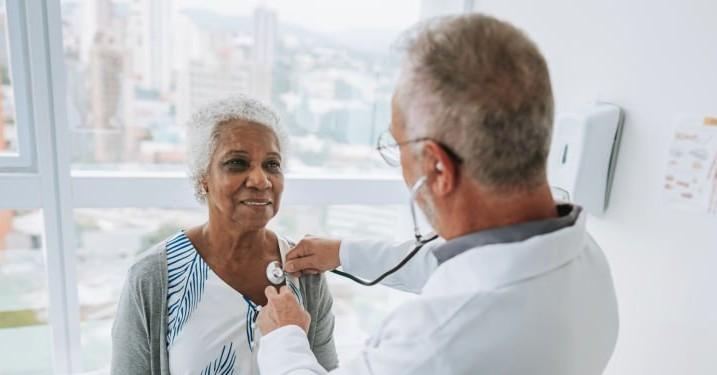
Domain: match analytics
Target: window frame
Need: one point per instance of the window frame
(18, 52)
(92, 189)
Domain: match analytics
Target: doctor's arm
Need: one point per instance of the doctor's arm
(367, 259)
(407, 343)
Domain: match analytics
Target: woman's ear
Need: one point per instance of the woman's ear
(204, 186)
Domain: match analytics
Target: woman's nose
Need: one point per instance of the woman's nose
(258, 179)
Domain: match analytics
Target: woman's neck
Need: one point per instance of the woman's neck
(236, 246)
(238, 257)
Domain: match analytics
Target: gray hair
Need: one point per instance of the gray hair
(205, 124)
(481, 87)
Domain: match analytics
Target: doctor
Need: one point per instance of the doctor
(518, 286)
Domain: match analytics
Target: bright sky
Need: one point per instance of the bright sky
(325, 15)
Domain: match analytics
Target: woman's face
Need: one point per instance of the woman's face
(245, 180)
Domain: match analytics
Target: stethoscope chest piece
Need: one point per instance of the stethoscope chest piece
(274, 273)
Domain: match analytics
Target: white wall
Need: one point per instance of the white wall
(657, 59)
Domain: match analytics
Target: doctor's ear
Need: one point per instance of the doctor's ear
(439, 168)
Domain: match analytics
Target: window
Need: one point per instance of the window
(24, 330)
(136, 70)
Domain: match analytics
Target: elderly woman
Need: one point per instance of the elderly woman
(189, 304)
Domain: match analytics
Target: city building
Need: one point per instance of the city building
(263, 50)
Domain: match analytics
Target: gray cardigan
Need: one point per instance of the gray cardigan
(140, 327)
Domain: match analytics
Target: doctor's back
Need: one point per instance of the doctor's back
(519, 287)
(541, 306)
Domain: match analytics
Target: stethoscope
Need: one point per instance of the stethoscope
(276, 275)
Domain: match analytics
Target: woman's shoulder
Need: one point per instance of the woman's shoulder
(148, 268)
(316, 291)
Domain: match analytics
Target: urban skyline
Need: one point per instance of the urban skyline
(124, 114)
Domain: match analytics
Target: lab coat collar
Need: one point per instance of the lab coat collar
(488, 266)
(567, 216)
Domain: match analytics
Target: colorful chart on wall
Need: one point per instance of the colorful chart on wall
(691, 175)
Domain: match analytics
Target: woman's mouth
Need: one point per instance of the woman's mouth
(255, 202)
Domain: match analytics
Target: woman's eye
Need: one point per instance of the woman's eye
(237, 164)
(273, 165)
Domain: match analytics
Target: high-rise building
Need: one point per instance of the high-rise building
(202, 82)
(96, 16)
(105, 76)
(216, 63)
(151, 43)
(265, 28)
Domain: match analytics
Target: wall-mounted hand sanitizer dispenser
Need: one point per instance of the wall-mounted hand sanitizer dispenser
(583, 154)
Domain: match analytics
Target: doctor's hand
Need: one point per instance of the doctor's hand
(282, 309)
(313, 255)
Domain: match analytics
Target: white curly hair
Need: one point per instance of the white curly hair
(203, 131)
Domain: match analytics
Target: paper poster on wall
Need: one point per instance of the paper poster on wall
(691, 176)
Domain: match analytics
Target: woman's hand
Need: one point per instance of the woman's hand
(313, 255)
(282, 309)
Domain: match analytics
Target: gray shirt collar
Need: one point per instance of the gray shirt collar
(567, 216)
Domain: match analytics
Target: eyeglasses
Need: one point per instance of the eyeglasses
(390, 149)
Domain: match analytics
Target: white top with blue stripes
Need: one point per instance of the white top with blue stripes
(210, 326)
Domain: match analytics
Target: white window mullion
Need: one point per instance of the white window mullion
(53, 163)
(19, 191)
(19, 75)
(174, 190)
(356, 190)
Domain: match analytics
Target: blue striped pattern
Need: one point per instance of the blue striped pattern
(251, 315)
(224, 364)
(296, 292)
(186, 275)
(293, 287)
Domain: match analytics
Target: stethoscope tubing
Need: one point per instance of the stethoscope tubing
(419, 245)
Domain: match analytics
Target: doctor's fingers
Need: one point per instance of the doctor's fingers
(314, 253)
(286, 296)
(308, 265)
(284, 300)
(311, 245)
(303, 248)
(287, 310)
(270, 292)
(266, 320)
(274, 297)
(284, 291)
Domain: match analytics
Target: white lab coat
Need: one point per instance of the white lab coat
(542, 306)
